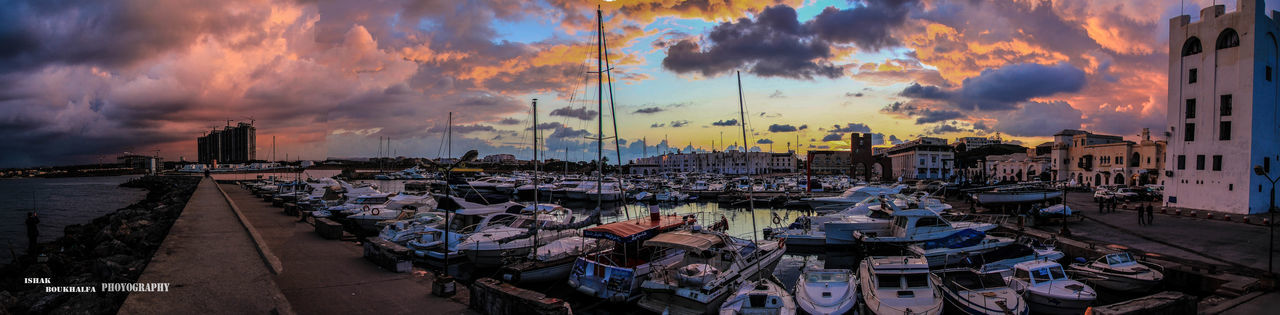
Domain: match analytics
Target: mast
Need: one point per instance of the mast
(751, 204)
(613, 112)
(449, 133)
(599, 108)
(537, 227)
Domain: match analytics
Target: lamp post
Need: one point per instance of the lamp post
(1271, 223)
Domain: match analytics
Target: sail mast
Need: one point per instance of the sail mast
(751, 204)
(613, 112)
(599, 108)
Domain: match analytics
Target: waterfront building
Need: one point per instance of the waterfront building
(1088, 159)
(732, 162)
(231, 144)
(970, 143)
(1018, 167)
(499, 159)
(1223, 110)
(922, 158)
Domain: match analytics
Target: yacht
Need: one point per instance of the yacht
(954, 248)
(1048, 290)
(396, 207)
(616, 272)
(850, 197)
(914, 226)
(897, 285)
(713, 267)
(1120, 272)
(551, 262)
(1016, 194)
(968, 292)
(827, 291)
(494, 246)
(1003, 259)
(765, 296)
(464, 218)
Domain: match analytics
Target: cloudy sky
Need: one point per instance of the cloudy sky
(84, 80)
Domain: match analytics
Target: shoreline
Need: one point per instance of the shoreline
(113, 248)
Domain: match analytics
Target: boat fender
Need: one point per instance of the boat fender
(776, 219)
(376, 211)
(365, 208)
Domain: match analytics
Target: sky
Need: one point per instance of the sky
(82, 81)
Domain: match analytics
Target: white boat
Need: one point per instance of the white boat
(850, 197)
(837, 228)
(714, 265)
(1019, 194)
(897, 285)
(402, 231)
(969, 292)
(765, 296)
(916, 225)
(1002, 259)
(955, 248)
(615, 273)
(1048, 290)
(496, 245)
(396, 207)
(1058, 210)
(827, 291)
(670, 195)
(1119, 272)
(551, 262)
(465, 218)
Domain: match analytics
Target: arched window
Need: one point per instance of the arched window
(1135, 160)
(1191, 47)
(1228, 38)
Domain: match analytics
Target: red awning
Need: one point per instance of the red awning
(627, 229)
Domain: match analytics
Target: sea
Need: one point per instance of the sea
(58, 202)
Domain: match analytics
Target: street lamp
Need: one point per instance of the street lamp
(1271, 223)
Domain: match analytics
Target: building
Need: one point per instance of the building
(1019, 167)
(971, 143)
(499, 159)
(730, 162)
(238, 144)
(1223, 116)
(139, 162)
(829, 162)
(1083, 158)
(922, 158)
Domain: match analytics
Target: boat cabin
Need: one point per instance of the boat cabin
(903, 277)
(1039, 273)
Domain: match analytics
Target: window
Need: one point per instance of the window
(1268, 73)
(1182, 162)
(1266, 165)
(1217, 162)
(1119, 160)
(1191, 47)
(1224, 107)
(1191, 108)
(1227, 39)
(1224, 130)
(1189, 133)
(1191, 76)
(1200, 162)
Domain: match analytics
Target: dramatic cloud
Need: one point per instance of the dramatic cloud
(782, 128)
(833, 137)
(870, 27)
(850, 127)
(648, 110)
(775, 44)
(764, 141)
(922, 115)
(580, 113)
(1002, 88)
(509, 121)
(1036, 119)
(730, 122)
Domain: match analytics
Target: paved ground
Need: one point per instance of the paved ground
(1265, 304)
(211, 264)
(330, 277)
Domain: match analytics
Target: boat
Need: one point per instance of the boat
(1003, 259)
(1016, 194)
(837, 228)
(1048, 290)
(969, 292)
(1119, 272)
(954, 248)
(827, 291)
(765, 296)
(397, 207)
(551, 262)
(897, 285)
(914, 226)
(496, 245)
(1058, 210)
(850, 197)
(615, 273)
(463, 219)
(713, 266)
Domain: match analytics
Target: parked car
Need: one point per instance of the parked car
(1126, 194)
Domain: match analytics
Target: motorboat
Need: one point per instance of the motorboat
(954, 248)
(616, 272)
(765, 296)
(968, 292)
(1016, 194)
(1119, 272)
(396, 207)
(464, 218)
(897, 285)
(914, 226)
(850, 197)
(827, 291)
(496, 245)
(1048, 290)
(551, 262)
(1002, 259)
(402, 231)
(837, 228)
(713, 267)
(670, 195)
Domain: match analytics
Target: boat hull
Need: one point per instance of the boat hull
(1016, 197)
(1042, 304)
(538, 272)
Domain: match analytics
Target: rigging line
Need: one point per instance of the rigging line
(613, 113)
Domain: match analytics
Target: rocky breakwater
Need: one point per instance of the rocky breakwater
(114, 248)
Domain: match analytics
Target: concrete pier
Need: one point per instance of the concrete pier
(211, 264)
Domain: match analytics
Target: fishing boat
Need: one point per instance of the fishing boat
(954, 248)
(968, 292)
(616, 272)
(897, 285)
(1048, 290)
(714, 265)
(765, 296)
(1119, 272)
(827, 291)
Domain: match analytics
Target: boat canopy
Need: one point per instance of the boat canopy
(686, 240)
(634, 230)
(963, 238)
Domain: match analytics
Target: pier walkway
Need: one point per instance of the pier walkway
(211, 264)
(323, 276)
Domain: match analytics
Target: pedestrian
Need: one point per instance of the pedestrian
(1141, 217)
(1151, 214)
(33, 231)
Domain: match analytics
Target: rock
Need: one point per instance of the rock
(109, 248)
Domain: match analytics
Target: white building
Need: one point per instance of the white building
(1088, 159)
(923, 158)
(499, 159)
(1223, 108)
(1017, 167)
(971, 143)
(730, 162)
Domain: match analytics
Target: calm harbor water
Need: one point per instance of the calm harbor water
(59, 202)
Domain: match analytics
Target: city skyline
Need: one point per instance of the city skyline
(329, 79)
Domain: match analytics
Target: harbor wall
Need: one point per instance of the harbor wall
(492, 297)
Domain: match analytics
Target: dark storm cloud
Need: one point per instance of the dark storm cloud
(850, 127)
(944, 128)
(870, 26)
(833, 137)
(1037, 119)
(1003, 88)
(509, 121)
(580, 113)
(773, 45)
(782, 128)
(764, 141)
(730, 122)
(648, 110)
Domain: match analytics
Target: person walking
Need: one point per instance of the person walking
(1151, 213)
(1141, 216)
(33, 231)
